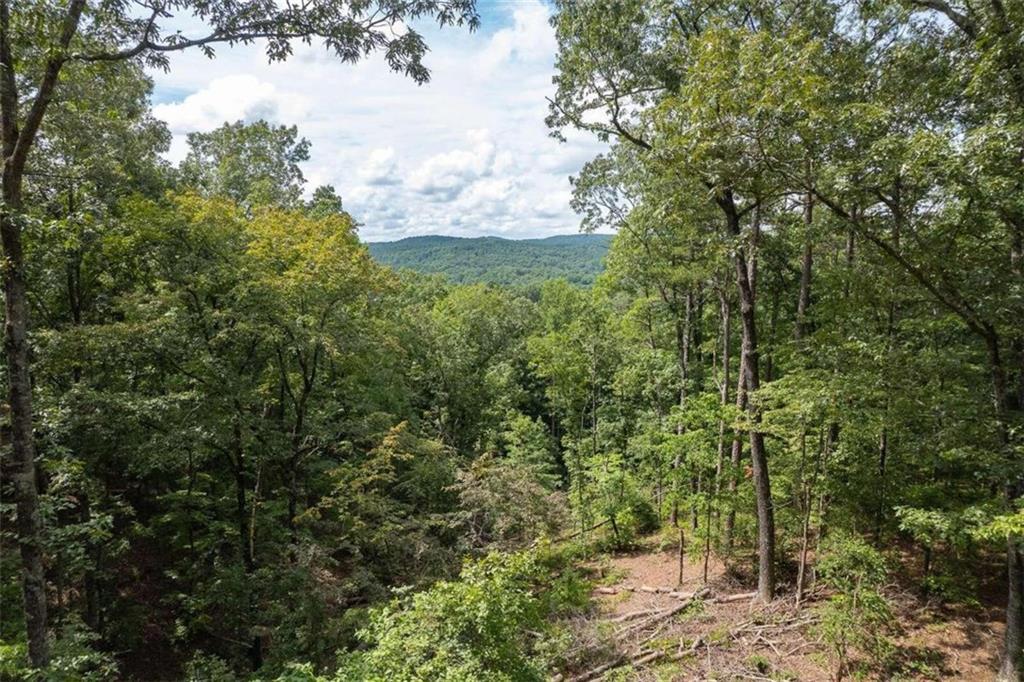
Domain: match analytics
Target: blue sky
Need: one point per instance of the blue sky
(467, 154)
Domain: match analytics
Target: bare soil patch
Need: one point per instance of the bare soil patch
(651, 627)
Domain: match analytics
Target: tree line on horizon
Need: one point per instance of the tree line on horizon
(525, 263)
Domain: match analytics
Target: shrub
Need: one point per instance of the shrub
(74, 657)
(476, 628)
(505, 505)
(208, 668)
(857, 616)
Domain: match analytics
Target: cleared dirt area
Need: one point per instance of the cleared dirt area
(651, 627)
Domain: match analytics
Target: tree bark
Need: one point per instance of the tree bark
(682, 329)
(724, 394)
(17, 142)
(758, 455)
(807, 503)
(735, 455)
(1012, 664)
(682, 553)
(803, 303)
(245, 531)
(19, 395)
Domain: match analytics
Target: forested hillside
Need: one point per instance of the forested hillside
(779, 437)
(492, 260)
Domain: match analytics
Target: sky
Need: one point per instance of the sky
(467, 154)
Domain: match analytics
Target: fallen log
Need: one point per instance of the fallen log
(661, 615)
(600, 670)
(734, 597)
(631, 615)
(642, 657)
(671, 592)
(638, 658)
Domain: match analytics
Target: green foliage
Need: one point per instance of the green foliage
(75, 658)
(1002, 527)
(506, 504)
(204, 668)
(512, 263)
(858, 616)
(253, 164)
(849, 564)
(856, 622)
(475, 628)
(250, 434)
(529, 445)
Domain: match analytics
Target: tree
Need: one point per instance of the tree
(642, 74)
(254, 164)
(37, 43)
(325, 201)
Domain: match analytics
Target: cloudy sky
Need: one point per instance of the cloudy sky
(467, 154)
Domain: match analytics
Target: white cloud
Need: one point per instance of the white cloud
(488, 196)
(230, 98)
(380, 168)
(530, 38)
(467, 153)
(445, 175)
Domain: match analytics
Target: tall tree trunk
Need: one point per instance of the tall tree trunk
(807, 503)
(851, 245)
(19, 395)
(883, 462)
(724, 395)
(1012, 664)
(1012, 667)
(682, 554)
(803, 304)
(17, 142)
(758, 455)
(682, 329)
(883, 438)
(773, 325)
(735, 455)
(293, 472)
(707, 533)
(246, 545)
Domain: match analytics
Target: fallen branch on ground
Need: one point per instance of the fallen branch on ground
(638, 658)
(670, 591)
(642, 656)
(661, 615)
(734, 597)
(631, 615)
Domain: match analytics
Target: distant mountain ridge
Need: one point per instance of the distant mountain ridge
(495, 260)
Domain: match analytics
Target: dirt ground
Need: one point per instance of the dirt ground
(724, 635)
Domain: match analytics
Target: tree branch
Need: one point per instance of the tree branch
(950, 298)
(8, 84)
(51, 74)
(962, 21)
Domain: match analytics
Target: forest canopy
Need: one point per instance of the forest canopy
(238, 447)
(579, 259)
